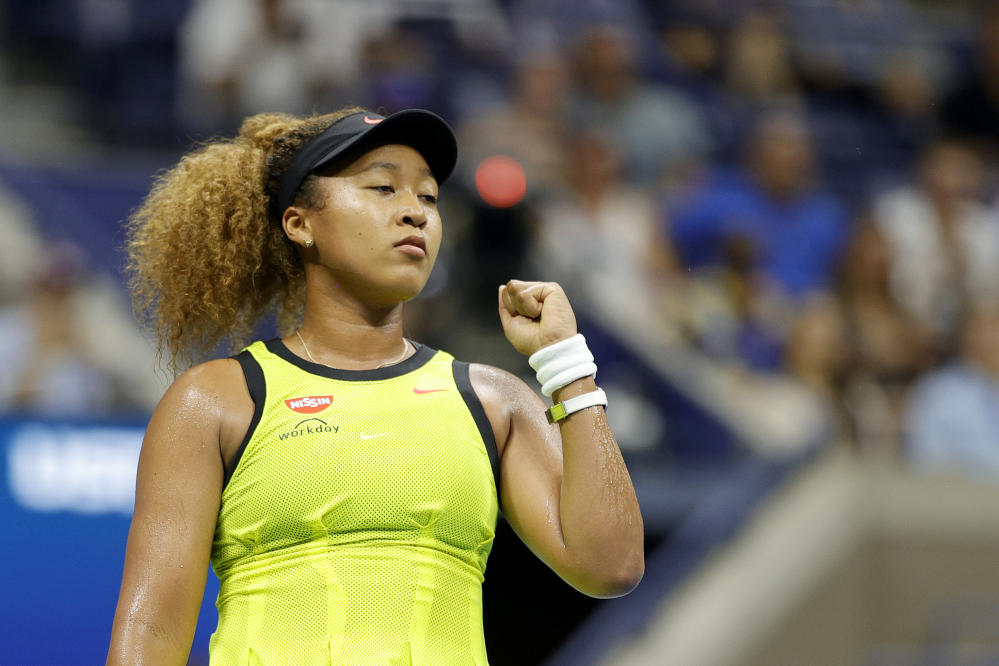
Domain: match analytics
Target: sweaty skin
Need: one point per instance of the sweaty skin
(566, 490)
(588, 527)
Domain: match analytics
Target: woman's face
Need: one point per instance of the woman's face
(379, 231)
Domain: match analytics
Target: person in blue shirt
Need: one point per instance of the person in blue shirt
(952, 421)
(797, 231)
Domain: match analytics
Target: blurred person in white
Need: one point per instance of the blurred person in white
(952, 422)
(239, 57)
(602, 234)
(944, 243)
(19, 248)
(69, 348)
(658, 130)
(529, 124)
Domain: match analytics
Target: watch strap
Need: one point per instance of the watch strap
(560, 410)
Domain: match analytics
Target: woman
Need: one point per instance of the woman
(339, 478)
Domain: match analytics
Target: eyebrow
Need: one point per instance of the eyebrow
(391, 166)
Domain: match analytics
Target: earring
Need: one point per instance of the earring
(308, 243)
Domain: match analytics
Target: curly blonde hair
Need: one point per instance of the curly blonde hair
(207, 256)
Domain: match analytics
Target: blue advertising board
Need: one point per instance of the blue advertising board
(65, 506)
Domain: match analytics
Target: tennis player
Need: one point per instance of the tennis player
(344, 481)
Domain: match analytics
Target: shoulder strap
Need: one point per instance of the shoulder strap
(464, 383)
(257, 387)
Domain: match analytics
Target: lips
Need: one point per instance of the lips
(413, 245)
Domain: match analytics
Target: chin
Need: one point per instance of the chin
(389, 295)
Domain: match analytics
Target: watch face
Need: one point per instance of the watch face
(556, 413)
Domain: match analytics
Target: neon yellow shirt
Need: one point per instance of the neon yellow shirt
(356, 523)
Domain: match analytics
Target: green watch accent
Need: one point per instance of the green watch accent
(560, 410)
(556, 412)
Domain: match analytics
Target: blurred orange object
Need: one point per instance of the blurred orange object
(500, 181)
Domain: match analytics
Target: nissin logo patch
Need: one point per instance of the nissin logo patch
(309, 405)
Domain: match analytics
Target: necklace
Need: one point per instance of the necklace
(405, 350)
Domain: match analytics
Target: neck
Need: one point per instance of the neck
(343, 332)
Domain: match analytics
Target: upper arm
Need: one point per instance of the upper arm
(178, 493)
(530, 451)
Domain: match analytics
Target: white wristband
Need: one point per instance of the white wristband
(562, 363)
(561, 410)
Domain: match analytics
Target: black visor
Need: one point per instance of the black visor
(350, 137)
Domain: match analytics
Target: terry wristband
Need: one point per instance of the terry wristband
(562, 363)
(561, 410)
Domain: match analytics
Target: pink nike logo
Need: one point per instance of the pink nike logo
(422, 391)
(372, 121)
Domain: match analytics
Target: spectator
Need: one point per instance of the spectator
(944, 243)
(20, 246)
(734, 313)
(690, 44)
(527, 126)
(568, 19)
(63, 351)
(953, 418)
(658, 130)
(396, 71)
(692, 55)
(887, 347)
(755, 74)
(243, 56)
(774, 204)
(599, 235)
(757, 63)
(816, 355)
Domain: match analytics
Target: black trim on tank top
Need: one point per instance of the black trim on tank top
(254, 375)
(464, 383)
(414, 362)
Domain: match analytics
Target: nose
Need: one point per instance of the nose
(412, 212)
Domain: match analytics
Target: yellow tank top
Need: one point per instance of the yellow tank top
(358, 516)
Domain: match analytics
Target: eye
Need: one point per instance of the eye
(384, 189)
(429, 198)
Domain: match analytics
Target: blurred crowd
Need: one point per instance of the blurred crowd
(801, 195)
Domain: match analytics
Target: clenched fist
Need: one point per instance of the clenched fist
(535, 315)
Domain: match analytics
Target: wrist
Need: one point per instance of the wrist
(562, 410)
(562, 363)
(571, 390)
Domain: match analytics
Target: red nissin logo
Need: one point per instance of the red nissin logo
(309, 405)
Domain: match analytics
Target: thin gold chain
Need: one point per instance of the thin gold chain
(405, 350)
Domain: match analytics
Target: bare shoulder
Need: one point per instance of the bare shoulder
(206, 386)
(211, 396)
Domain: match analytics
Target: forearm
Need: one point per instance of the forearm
(597, 542)
(140, 647)
(157, 613)
(138, 640)
(600, 519)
